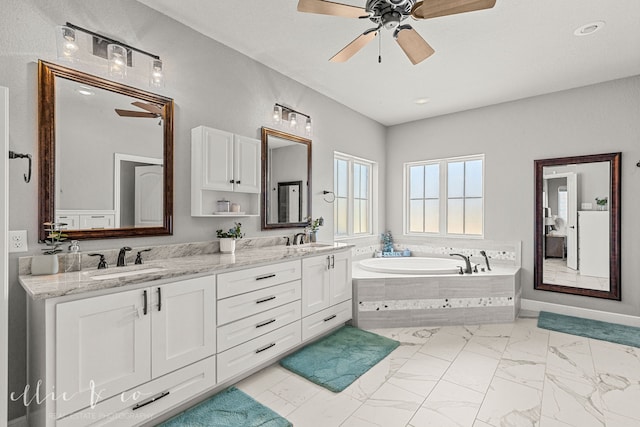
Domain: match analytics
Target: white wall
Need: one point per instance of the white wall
(211, 84)
(596, 119)
(4, 220)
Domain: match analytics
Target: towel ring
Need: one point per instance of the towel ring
(333, 196)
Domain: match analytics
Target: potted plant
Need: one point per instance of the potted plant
(228, 238)
(312, 227)
(602, 203)
(48, 262)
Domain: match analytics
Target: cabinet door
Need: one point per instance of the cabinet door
(183, 323)
(217, 158)
(247, 165)
(341, 289)
(316, 282)
(102, 348)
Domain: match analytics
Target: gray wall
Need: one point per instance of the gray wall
(211, 84)
(602, 118)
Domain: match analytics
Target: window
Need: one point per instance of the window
(445, 197)
(353, 205)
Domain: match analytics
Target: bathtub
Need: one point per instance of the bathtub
(412, 265)
(417, 291)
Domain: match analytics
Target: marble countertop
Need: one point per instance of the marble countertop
(61, 284)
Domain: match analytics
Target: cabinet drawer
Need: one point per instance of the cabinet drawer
(326, 319)
(239, 282)
(247, 329)
(120, 410)
(257, 351)
(96, 221)
(245, 305)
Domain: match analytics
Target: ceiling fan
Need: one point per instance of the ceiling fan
(389, 14)
(151, 111)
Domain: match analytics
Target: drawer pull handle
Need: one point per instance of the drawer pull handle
(153, 399)
(333, 316)
(260, 325)
(260, 301)
(145, 309)
(260, 350)
(268, 276)
(159, 299)
(328, 262)
(333, 261)
(97, 216)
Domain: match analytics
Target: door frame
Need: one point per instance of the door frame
(4, 252)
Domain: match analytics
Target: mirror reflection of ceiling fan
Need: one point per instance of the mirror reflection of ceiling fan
(151, 111)
(389, 14)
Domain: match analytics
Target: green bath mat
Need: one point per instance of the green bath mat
(337, 360)
(229, 408)
(612, 332)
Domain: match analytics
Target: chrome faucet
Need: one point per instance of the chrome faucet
(467, 268)
(486, 259)
(122, 260)
(295, 238)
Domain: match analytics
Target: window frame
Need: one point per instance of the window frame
(372, 188)
(443, 196)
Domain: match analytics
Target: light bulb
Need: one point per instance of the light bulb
(307, 126)
(66, 43)
(156, 75)
(117, 61)
(277, 117)
(293, 120)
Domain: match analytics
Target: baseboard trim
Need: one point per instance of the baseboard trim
(18, 422)
(622, 319)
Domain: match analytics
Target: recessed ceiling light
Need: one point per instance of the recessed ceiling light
(590, 28)
(421, 101)
(85, 91)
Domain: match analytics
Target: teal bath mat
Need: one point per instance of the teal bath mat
(612, 332)
(229, 408)
(337, 360)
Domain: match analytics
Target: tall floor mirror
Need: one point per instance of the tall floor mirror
(577, 234)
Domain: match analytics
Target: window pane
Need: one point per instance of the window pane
(356, 216)
(455, 179)
(432, 190)
(473, 178)
(416, 182)
(364, 216)
(356, 180)
(341, 216)
(473, 216)
(364, 181)
(432, 216)
(455, 216)
(416, 216)
(340, 178)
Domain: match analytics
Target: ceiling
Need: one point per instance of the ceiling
(518, 49)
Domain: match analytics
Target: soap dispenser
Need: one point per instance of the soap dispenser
(74, 258)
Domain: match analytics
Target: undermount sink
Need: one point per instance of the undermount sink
(126, 273)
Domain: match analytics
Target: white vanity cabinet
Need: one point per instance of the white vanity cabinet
(326, 292)
(258, 316)
(114, 345)
(223, 163)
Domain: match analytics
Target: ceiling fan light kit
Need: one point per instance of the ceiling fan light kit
(119, 55)
(389, 14)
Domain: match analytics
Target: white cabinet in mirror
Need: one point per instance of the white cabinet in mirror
(225, 167)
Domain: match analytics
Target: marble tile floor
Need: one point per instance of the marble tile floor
(555, 271)
(477, 376)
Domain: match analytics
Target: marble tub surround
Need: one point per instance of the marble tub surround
(43, 287)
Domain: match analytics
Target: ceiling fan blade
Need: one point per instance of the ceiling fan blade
(330, 8)
(152, 108)
(435, 8)
(413, 45)
(128, 113)
(352, 48)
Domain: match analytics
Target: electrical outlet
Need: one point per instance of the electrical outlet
(18, 241)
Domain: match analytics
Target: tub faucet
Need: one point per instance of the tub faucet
(467, 268)
(295, 238)
(486, 259)
(122, 261)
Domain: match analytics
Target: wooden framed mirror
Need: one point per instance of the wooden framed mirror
(577, 228)
(105, 156)
(286, 180)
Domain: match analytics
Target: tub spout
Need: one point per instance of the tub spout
(467, 268)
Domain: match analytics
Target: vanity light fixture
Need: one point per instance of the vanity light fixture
(119, 55)
(282, 113)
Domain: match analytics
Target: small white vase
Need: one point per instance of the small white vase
(44, 264)
(227, 245)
